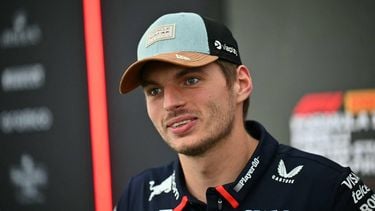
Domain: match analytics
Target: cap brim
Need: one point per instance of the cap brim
(131, 78)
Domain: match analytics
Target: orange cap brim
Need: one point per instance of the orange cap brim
(131, 77)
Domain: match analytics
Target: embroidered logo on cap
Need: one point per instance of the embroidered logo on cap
(229, 49)
(179, 56)
(163, 32)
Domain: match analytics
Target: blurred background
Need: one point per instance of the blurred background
(312, 64)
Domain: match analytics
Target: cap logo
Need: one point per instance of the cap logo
(163, 32)
(178, 56)
(217, 44)
(224, 47)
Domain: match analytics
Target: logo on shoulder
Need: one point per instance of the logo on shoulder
(350, 181)
(361, 194)
(284, 176)
(165, 186)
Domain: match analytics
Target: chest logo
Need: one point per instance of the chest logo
(284, 176)
(166, 186)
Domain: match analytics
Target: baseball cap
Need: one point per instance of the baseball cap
(185, 39)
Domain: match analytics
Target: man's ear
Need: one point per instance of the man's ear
(244, 83)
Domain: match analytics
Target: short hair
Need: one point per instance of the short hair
(229, 71)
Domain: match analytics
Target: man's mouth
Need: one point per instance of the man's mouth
(179, 124)
(182, 125)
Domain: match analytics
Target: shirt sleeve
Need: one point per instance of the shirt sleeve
(353, 194)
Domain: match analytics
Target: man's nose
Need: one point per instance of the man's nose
(173, 98)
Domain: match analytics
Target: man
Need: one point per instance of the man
(197, 92)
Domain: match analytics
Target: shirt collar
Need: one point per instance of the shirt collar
(258, 163)
(252, 172)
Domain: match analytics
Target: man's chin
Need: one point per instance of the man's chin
(192, 150)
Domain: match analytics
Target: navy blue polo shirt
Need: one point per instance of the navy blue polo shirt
(277, 177)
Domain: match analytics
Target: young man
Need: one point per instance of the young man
(197, 92)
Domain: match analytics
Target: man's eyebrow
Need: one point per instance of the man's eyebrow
(186, 71)
(145, 81)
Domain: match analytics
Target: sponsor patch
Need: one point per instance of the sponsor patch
(164, 32)
(225, 47)
(362, 195)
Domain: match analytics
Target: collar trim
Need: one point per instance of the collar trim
(182, 204)
(232, 201)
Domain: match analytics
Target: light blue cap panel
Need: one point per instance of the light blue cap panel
(189, 34)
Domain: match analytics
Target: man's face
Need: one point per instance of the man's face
(192, 108)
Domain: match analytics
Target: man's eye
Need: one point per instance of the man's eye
(154, 91)
(191, 81)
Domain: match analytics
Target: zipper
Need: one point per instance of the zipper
(219, 204)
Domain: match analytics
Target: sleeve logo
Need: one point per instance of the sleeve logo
(360, 192)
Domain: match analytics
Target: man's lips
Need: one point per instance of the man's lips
(181, 124)
(180, 120)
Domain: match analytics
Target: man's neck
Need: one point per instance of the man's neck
(221, 165)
